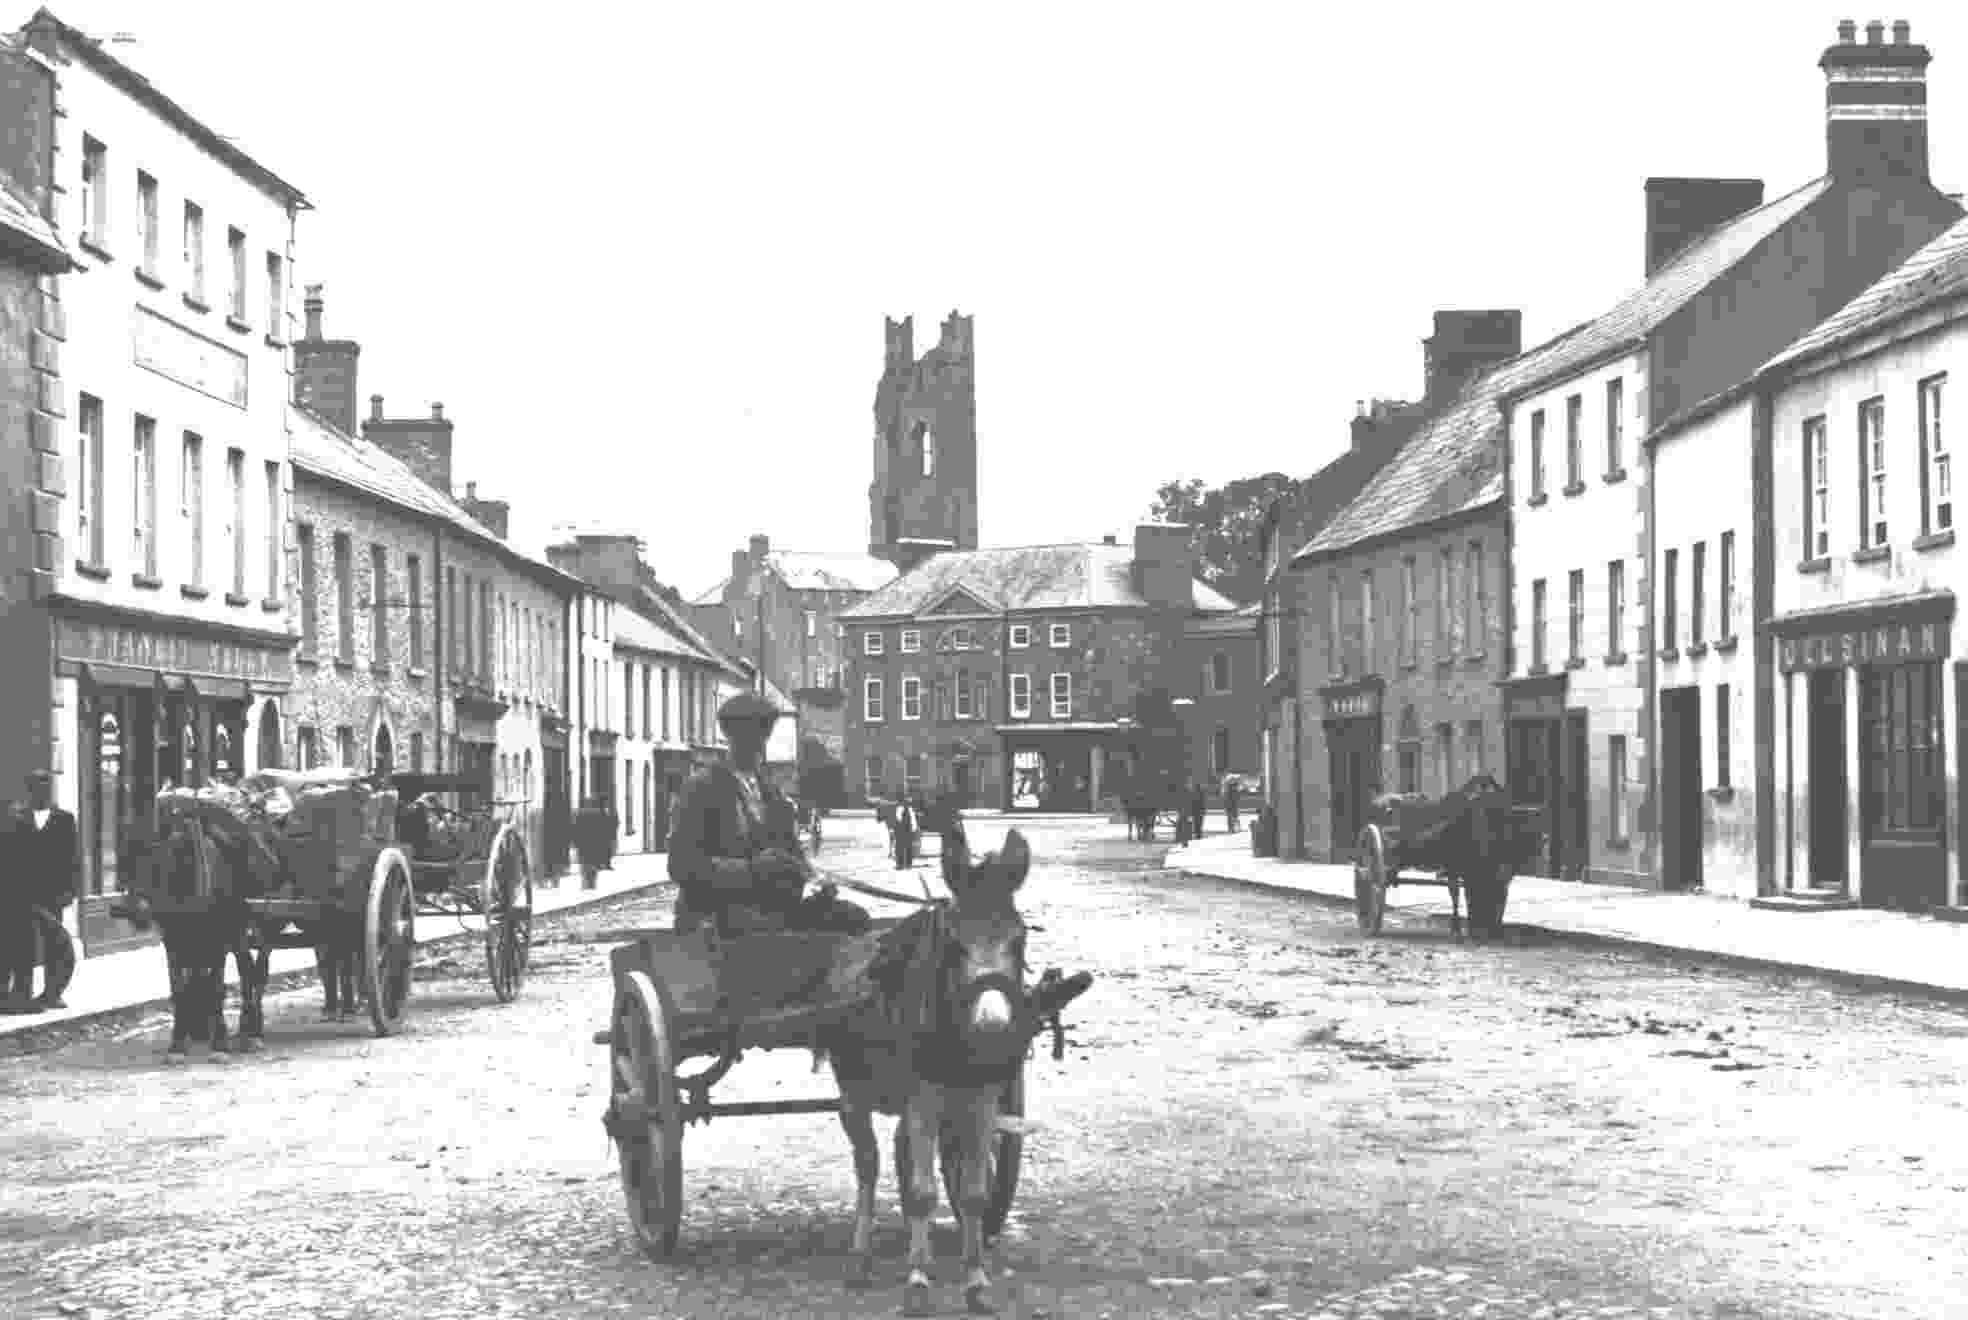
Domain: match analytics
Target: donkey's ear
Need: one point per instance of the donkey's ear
(1015, 859)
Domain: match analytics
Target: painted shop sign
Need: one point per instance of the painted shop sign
(139, 648)
(167, 348)
(1885, 644)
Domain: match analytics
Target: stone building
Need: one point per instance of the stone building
(1615, 742)
(1289, 525)
(166, 590)
(779, 610)
(1401, 635)
(428, 641)
(1223, 719)
(923, 498)
(1008, 676)
(32, 404)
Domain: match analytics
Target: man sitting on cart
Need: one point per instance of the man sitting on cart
(735, 851)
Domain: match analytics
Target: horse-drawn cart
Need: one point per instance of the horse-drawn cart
(467, 862)
(692, 995)
(1470, 840)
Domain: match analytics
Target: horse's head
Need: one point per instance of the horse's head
(986, 942)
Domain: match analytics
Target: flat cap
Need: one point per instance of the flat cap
(747, 706)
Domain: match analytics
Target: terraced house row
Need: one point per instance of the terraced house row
(1682, 576)
(219, 565)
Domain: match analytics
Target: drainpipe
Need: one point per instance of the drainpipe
(441, 659)
(1762, 597)
(1647, 669)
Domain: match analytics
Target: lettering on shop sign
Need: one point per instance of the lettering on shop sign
(1352, 705)
(167, 348)
(1887, 644)
(137, 648)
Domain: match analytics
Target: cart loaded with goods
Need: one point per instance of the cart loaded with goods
(1469, 841)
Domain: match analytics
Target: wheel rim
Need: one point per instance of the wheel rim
(1370, 881)
(389, 936)
(508, 903)
(649, 1123)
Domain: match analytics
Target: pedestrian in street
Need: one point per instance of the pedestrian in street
(589, 824)
(1233, 790)
(905, 835)
(40, 865)
(1198, 810)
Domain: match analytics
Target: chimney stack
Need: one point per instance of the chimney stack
(325, 369)
(1876, 106)
(1464, 343)
(375, 407)
(760, 546)
(471, 491)
(437, 412)
(1164, 571)
(421, 444)
(1681, 210)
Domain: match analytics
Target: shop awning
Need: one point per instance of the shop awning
(219, 689)
(120, 676)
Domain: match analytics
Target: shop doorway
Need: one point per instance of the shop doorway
(269, 740)
(1532, 755)
(1028, 779)
(383, 754)
(1353, 754)
(1681, 788)
(1826, 786)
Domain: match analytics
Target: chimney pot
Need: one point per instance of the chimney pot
(1875, 33)
(311, 308)
(760, 546)
(437, 412)
(471, 491)
(375, 407)
(1848, 32)
(1902, 32)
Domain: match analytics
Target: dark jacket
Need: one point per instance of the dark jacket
(41, 867)
(712, 844)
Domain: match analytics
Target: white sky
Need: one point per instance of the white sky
(642, 252)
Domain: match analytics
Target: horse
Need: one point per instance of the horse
(951, 1030)
(197, 941)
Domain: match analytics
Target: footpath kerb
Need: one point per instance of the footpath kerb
(1865, 947)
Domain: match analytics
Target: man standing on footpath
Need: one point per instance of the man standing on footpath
(39, 867)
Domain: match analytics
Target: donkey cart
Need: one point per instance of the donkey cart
(1469, 840)
(691, 995)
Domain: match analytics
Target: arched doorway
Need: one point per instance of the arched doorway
(383, 755)
(269, 741)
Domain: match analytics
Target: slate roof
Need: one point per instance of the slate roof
(635, 630)
(1073, 575)
(321, 449)
(817, 570)
(1932, 274)
(1454, 462)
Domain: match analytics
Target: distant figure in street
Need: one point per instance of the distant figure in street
(40, 864)
(1233, 790)
(590, 827)
(1198, 810)
(905, 835)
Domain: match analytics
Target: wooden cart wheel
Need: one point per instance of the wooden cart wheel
(1006, 1155)
(646, 1117)
(506, 899)
(1370, 880)
(388, 939)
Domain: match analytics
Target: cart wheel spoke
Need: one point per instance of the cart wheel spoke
(650, 1133)
(388, 940)
(505, 890)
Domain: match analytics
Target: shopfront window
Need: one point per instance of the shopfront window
(1905, 783)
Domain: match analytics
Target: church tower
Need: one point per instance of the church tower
(924, 495)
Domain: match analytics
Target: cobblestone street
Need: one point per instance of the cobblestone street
(1261, 1114)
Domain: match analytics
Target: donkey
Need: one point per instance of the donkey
(936, 1053)
(196, 944)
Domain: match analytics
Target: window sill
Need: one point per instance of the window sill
(1722, 793)
(1872, 554)
(145, 581)
(1538, 499)
(196, 304)
(1696, 650)
(97, 572)
(346, 666)
(1619, 845)
(1670, 653)
(1409, 666)
(1576, 662)
(1727, 645)
(238, 324)
(275, 341)
(1574, 488)
(307, 660)
(1444, 665)
(1616, 659)
(381, 670)
(271, 606)
(1474, 660)
(1822, 564)
(190, 592)
(148, 280)
(236, 600)
(1614, 477)
(95, 247)
(1934, 540)
(418, 671)
(1538, 670)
